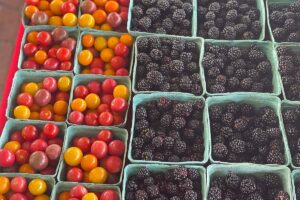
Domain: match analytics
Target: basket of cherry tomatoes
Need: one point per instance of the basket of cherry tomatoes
(31, 147)
(99, 101)
(106, 53)
(50, 12)
(94, 155)
(41, 96)
(25, 187)
(48, 49)
(82, 191)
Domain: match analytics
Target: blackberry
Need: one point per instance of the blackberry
(142, 173)
(290, 116)
(240, 73)
(180, 173)
(228, 33)
(179, 15)
(143, 58)
(240, 28)
(232, 180)
(256, 27)
(282, 195)
(226, 132)
(231, 15)
(131, 186)
(186, 184)
(221, 79)
(256, 55)
(210, 16)
(234, 53)
(213, 72)
(141, 112)
(141, 195)
(148, 2)
(185, 83)
(178, 123)
(214, 7)
(177, 66)
(156, 54)
(255, 196)
(147, 155)
(145, 23)
(187, 7)
(189, 134)
(155, 78)
(247, 186)
(259, 136)
(272, 180)
(193, 174)
(233, 83)
(217, 88)
(175, 135)
(279, 33)
(232, 4)
(190, 195)
(168, 143)
(165, 121)
(214, 193)
(153, 191)
(275, 157)
(296, 159)
(227, 119)
(215, 112)
(147, 134)
(220, 151)
(171, 189)
(237, 146)
(194, 124)
(273, 132)
(264, 67)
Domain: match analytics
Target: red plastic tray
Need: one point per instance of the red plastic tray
(12, 70)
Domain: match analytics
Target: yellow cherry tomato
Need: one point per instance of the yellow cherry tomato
(86, 21)
(100, 43)
(90, 196)
(12, 146)
(69, 19)
(126, 39)
(79, 104)
(109, 72)
(64, 83)
(64, 196)
(60, 107)
(55, 6)
(85, 57)
(31, 88)
(34, 115)
(42, 197)
(107, 54)
(32, 37)
(43, 5)
(22, 112)
(92, 101)
(40, 56)
(121, 91)
(55, 21)
(29, 10)
(106, 27)
(112, 42)
(37, 187)
(4, 184)
(98, 175)
(27, 169)
(73, 156)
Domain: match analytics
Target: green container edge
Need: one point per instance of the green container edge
(295, 177)
(258, 101)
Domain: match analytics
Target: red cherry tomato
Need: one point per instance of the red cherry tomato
(103, 108)
(78, 191)
(124, 16)
(105, 135)
(124, 2)
(22, 156)
(26, 145)
(108, 85)
(122, 72)
(29, 195)
(30, 64)
(113, 164)
(46, 115)
(16, 136)
(75, 174)
(38, 145)
(25, 99)
(118, 119)
(67, 66)
(114, 19)
(51, 64)
(30, 49)
(18, 184)
(52, 52)
(118, 105)
(7, 158)
(109, 195)
(75, 2)
(62, 96)
(63, 54)
(29, 133)
(76, 117)
(44, 38)
(50, 131)
(50, 84)
(57, 141)
(106, 119)
(68, 7)
(96, 71)
(91, 119)
(107, 99)
(81, 91)
(97, 63)
(116, 148)
(32, 2)
(18, 196)
(48, 171)
(94, 87)
(83, 143)
(99, 149)
(121, 50)
(118, 62)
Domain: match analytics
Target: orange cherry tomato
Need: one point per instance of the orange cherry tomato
(100, 16)
(112, 6)
(88, 40)
(89, 162)
(4, 185)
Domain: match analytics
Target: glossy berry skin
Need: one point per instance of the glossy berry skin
(108, 86)
(91, 119)
(50, 84)
(44, 38)
(78, 191)
(84, 143)
(75, 174)
(63, 54)
(116, 148)
(113, 164)
(25, 99)
(22, 156)
(7, 158)
(118, 105)
(50, 131)
(30, 49)
(105, 135)
(106, 119)
(29, 133)
(109, 195)
(18, 184)
(121, 50)
(94, 87)
(76, 117)
(81, 91)
(99, 149)
(38, 145)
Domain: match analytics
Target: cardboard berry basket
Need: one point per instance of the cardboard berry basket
(28, 76)
(253, 169)
(260, 6)
(106, 34)
(270, 52)
(137, 33)
(285, 105)
(295, 178)
(87, 131)
(66, 187)
(200, 44)
(131, 170)
(72, 31)
(144, 98)
(86, 78)
(13, 125)
(257, 101)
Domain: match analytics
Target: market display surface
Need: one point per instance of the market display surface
(153, 100)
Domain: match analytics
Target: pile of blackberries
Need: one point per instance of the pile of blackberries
(180, 183)
(247, 187)
(168, 64)
(297, 189)
(229, 19)
(232, 69)
(289, 67)
(169, 130)
(163, 16)
(285, 21)
(242, 133)
(291, 118)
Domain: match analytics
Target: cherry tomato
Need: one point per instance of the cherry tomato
(44, 38)
(97, 63)
(84, 143)
(98, 175)
(7, 158)
(108, 86)
(64, 196)
(4, 185)
(118, 62)
(90, 196)
(116, 148)
(73, 156)
(64, 83)
(18, 196)
(37, 187)
(68, 7)
(75, 174)
(67, 66)
(64, 96)
(26, 145)
(22, 156)
(91, 119)
(29, 132)
(105, 135)
(50, 130)
(18, 184)
(78, 191)
(51, 64)
(50, 84)
(38, 160)
(25, 99)
(81, 91)
(16, 136)
(53, 151)
(118, 105)
(96, 71)
(92, 101)
(89, 162)
(114, 19)
(76, 117)
(122, 72)
(38, 145)
(94, 87)
(52, 52)
(99, 149)
(32, 2)
(113, 164)
(13, 146)
(109, 195)
(30, 49)
(42, 97)
(103, 108)
(30, 64)
(118, 119)
(46, 115)
(63, 54)
(107, 99)
(57, 141)
(121, 50)
(106, 119)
